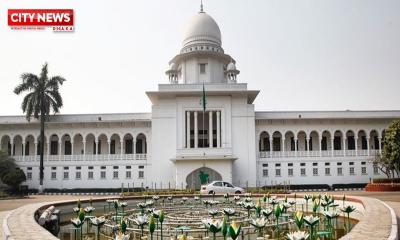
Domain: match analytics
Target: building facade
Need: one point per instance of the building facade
(179, 139)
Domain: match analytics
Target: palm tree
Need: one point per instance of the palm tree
(42, 97)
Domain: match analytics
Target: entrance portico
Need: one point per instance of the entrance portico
(184, 167)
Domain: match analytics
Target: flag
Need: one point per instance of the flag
(203, 99)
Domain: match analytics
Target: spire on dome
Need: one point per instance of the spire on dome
(201, 6)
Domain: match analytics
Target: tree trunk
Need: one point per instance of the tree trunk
(42, 120)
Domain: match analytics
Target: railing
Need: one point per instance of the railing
(324, 153)
(71, 158)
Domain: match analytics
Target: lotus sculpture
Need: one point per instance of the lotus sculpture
(98, 222)
(140, 221)
(258, 224)
(299, 235)
(234, 230)
(311, 221)
(212, 225)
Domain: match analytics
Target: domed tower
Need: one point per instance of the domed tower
(202, 58)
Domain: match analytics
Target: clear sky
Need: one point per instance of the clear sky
(302, 55)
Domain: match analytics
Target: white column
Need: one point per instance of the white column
(308, 146)
(344, 145)
(332, 147)
(122, 147)
(48, 147)
(12, 146)
(368, 148)
(109, 147)
(270, 145)
(196, 131)
(210, 129)
(356, 144)
(35, 148)
(218, 129)
(84, 147)
(72, 148)
(96, 144)
(23, 150)
(283, 146)
(188, 129)
(380, 145)
(320, 146)
(134, 149)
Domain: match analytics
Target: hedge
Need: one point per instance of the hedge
(386, 180)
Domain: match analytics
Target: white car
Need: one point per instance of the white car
(220, 187)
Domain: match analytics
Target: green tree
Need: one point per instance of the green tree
(9, 173)
(14, 178)
(6, 164)
(391, 147)
(42, 97)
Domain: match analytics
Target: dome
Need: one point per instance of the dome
(231, 66)
(173, 67)
(202, 29)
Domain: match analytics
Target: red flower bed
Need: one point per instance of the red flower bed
(382, 187)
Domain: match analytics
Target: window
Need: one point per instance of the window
(324, 145)
(115, 167)
(363, 163)
(67, 148)
(290, 172)
(265, 172)
(302, 171)
(364, 145)
(78, 168)
(29, 168)
(202, 68)
(364, 170)
(77, 175)
(277, 164)
(53, 168)
(103, 167)
(302, 164)
(128, 167)
(141, 167)
(327, 164)
(29, 175)
(351, 143)
(376, 170)
(218, 184)
(327, 171)
(53, 175)
(278, 172)
(339, 171)
(128, 174)
(66, 175)
(337, 143)
(53, 148)
(339, 164)
(315, 171)
(141, 174)
(290, 164)
(265, 165)
(115, 174)
(90, 167)
(103, 174)
(112, 146)
(27, 149)
(90, 175)
(315, 164)
(351, 170)
(351, 163)
(66, 168)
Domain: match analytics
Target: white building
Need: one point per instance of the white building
(171, 145)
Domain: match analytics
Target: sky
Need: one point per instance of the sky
(301, 55)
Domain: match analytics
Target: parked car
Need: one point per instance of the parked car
(220, 187)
